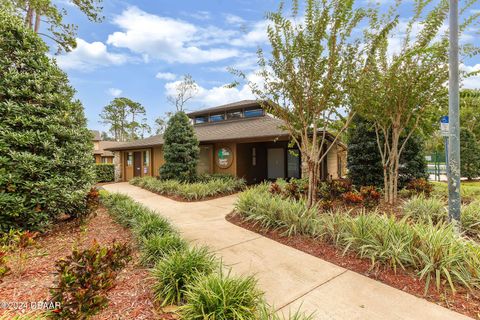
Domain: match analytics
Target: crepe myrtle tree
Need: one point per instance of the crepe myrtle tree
(46, 164)
(403, 92)
(306, 77)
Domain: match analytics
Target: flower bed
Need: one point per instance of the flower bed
(189, 277)
(205, 188)
(434, 253)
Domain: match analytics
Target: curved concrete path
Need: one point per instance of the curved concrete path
(289, 277)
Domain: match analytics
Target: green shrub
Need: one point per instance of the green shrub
(159, 246)
(180, 149)
(420, 186)
(470, 219)
(4, 269)
(425, 210)
(105, 172)
(149, 224)
(193, 190)
(222, 297)
(432, 250)
(46, 164)
(27, 316)
(267, 312)
(173, 273)
(84, 277)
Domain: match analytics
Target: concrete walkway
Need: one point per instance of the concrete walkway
(289, 277)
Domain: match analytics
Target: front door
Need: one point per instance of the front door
(137, 164)
(276, 163)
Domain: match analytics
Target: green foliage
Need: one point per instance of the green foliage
(222, 297)
(467, 190)
(174, 272)
(470, 111)
(363, 158)
(435, 252)
(425, 210)
(150, 224)
(364, 161)
(122, 115)
(156, 247)
(470, 219)
(180, 149)
(45, 148)
(205, 188)
(84, 277)
(420, 186)
(4, 269)
(27, 316)
(470, 155)
(105, 172)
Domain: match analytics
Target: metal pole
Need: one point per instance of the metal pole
(453, 169)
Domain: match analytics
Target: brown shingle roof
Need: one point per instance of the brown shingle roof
(102, 145)
(262, 127)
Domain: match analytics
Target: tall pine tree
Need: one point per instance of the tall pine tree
(180, 149)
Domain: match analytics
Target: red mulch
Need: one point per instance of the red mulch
(463, 301)
(33, 269)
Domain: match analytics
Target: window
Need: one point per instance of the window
(235, 114)
(104, 160)
(250, 113)
(293, 163)
(201, 119)
(146, 161)
(129, 159)
(217, 117)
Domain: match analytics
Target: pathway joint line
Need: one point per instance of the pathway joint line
(310, 290)
(236, 244)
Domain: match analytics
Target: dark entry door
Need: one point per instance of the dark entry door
(137, 164)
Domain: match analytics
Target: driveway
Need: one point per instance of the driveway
(290, 278)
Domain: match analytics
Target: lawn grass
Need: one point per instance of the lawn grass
(468, 190)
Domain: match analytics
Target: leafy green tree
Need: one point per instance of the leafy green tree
(470, 110)
(36, 12)
(305, 81)
(469, 155)
(364, 162)
(46, 166)
(180, 149)
(121, 114)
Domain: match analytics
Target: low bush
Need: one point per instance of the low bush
(27, 316)
(352, 197)
(371, 196)
(420, 186)
(84, 277)
(470, 219)
(105, 172)
(193, 190)
(425, 210)
(222, 297)
(173, 273)
(157, 246)
(434, 251)
(4, 269)
(148, 225)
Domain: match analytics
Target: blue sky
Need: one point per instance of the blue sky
(143, 47)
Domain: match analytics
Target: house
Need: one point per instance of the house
(100, 154)
(239, 139)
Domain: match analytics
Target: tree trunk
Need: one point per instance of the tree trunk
(37, 22)
(29, 17)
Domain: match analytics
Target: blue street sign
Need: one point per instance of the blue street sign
(444, 119)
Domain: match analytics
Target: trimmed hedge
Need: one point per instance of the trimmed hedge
(105, 172)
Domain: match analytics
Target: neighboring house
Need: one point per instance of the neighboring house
(238, 139)
(99, 153)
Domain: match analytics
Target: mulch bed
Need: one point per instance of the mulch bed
(463, 301)
(33, 269)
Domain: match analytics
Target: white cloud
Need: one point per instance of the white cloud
(167, 39)
(89, 56)
(166, 76)
(233, 19)
(472, 82)
(257, 35)
(114, 92)
(214, 96)
(200, 15)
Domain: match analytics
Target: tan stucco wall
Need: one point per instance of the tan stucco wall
(158, 160)
(332, 162)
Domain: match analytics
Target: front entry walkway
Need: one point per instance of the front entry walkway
(290, 278)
